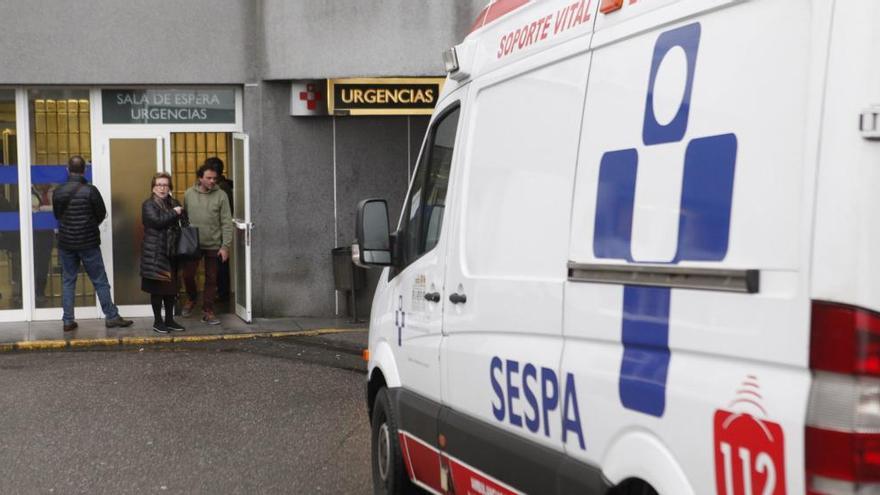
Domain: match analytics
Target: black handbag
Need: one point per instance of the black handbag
(188, 242)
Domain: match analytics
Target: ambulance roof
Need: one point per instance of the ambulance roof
(509, 30)
(494, 11)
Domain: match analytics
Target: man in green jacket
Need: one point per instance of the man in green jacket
(208, 209)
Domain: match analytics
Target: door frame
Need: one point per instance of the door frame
(101, 135)
(245, 224)
(23, 147)
(101, 178)
(31, 312)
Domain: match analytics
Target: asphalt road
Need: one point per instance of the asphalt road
(268, 416)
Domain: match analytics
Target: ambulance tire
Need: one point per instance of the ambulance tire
(389, 473)
(633, 487)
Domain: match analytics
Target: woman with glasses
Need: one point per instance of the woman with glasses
(161, 216)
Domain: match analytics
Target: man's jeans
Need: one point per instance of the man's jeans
(94, 264)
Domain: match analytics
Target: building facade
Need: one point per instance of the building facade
(139, 87)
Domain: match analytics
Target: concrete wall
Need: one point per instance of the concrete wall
(292, 208)
(225, 41)
(262, 44)
(338, 38)
(292, 195)
(374, 155)
(374, 159)
(113, 42)
(293, 174)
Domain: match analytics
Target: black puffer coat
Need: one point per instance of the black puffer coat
(79, 209)
(161, 231)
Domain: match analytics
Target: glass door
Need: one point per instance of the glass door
(242, 233)
(11, 292)
(132, 163)
(60, 126)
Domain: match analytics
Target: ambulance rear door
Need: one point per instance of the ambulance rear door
(687, 313)
(844, 404)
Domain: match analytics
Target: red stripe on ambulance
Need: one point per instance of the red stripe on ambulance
(405, 453)
(496, 10)
(481, 19)
(467, 480)
(423, 464)
(422, 461)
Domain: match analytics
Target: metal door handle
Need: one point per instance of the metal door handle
(433, 297)
(456, 298)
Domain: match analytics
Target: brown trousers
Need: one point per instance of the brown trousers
(189, 278)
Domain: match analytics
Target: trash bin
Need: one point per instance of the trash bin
(347, 276)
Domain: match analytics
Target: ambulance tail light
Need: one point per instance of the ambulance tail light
(845, 340)
(842, 437)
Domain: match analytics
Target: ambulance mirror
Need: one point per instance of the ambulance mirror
(373, 244)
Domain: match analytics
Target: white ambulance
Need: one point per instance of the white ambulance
(640, 254)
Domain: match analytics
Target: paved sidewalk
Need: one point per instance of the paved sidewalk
(49, 334)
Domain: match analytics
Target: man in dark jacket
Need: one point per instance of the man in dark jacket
(79, 209)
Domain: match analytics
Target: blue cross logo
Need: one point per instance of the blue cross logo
(400, 320)
(703, 225)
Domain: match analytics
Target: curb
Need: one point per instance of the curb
(42, 345)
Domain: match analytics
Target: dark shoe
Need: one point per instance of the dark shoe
(174, 326)
(160, 327)
(68, 327)
(210, 319)
(117, 322)
(187, 308)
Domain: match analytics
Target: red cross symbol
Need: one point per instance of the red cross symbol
(311, 96)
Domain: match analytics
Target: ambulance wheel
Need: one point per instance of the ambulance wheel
(389, 473)
(633, 487)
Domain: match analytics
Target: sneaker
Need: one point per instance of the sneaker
(210, 319)
(70, 326)
(187, 308)
(174, 326)
(117, 322)
(160, 327)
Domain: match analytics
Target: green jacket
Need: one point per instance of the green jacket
(210, 212)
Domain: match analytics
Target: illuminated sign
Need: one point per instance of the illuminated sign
(169, 106)
(383, 96)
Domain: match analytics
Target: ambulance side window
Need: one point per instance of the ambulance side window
(425, 205)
